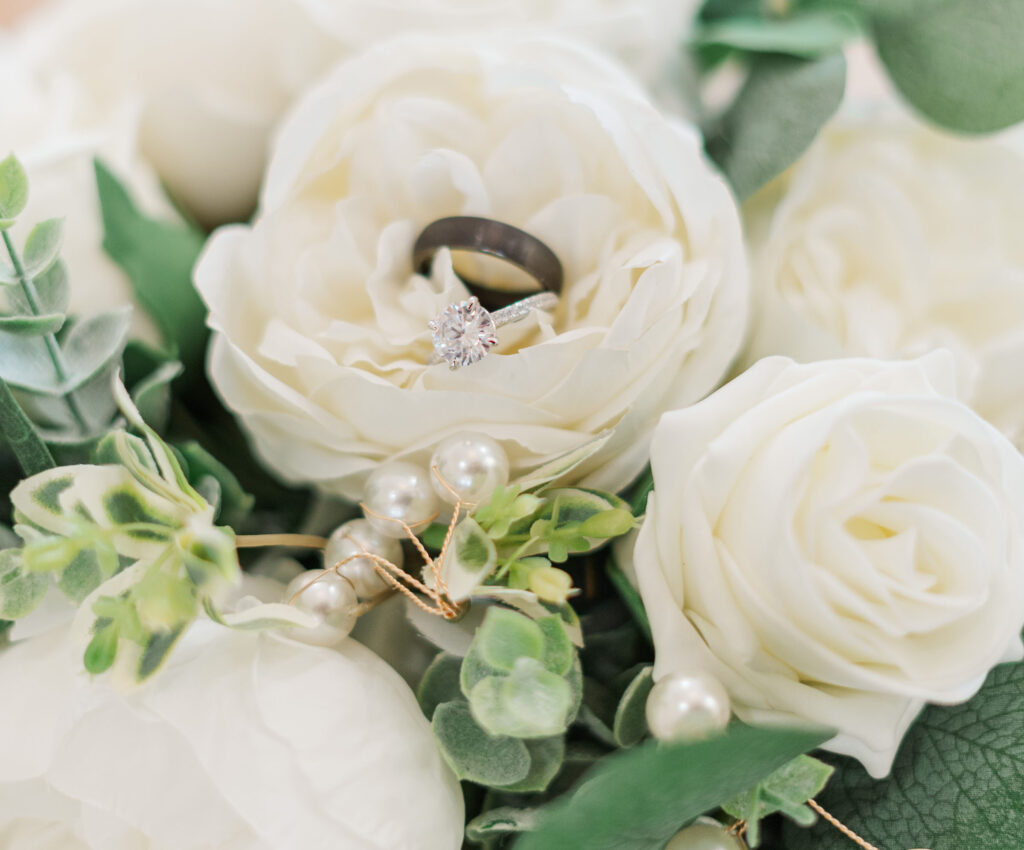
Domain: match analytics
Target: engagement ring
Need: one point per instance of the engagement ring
(464, 332)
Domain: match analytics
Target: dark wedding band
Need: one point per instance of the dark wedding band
(497, 239)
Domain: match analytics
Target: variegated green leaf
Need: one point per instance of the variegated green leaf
(271, 615)
(555, 469)
(20, 591)
(470, 559)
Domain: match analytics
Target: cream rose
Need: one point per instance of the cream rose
(242, 743)
(209, 79)
(322, 326)
(56, 136)
(839, 543)
(890, 239)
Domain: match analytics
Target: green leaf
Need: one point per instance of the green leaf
(152, 395)
(608, 524)
(629, 595)
(471, 557)
(440, 683)
(562, 465)
(20, 591)
(957, 783)
(504, 820)
(806, 35)
(630, 721)
(558, 652)
(546, 758)
(24, 440)
(787, 790)
(775, 117)
(505, 636)
(639, 491)
(960, 62)
(32, 325)
(86, 571)
(102, 650)
(530, 702)
(94, 343)
(156, 651)
(43, 247)
(234, 504)
(640, 798)
(473, 754)
(13, 190)
(158, 257)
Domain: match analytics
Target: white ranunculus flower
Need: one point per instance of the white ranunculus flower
(839, 542)
(209, 79)
(322, 326)
(243, 742)
(890, 239)
(56, 136)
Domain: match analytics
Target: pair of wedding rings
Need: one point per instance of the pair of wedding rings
(464, 332)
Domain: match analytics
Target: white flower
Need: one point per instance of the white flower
(839, 543)
(890, 239)
(243, 742)
(322, 326)
(56, 136)
(209, 79)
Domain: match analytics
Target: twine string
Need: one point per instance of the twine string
(842, 827)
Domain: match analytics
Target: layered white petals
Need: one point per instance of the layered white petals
(321, 324)
(242, 743)
(890, 239)
(839, 543)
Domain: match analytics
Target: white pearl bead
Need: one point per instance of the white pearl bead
(331, 599)
(705, 834)
(399, 491)
(473, 465)
(357, 536)
(687, 707)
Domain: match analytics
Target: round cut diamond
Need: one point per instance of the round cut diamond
(463, 333)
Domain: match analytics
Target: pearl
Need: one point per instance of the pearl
(332, 600)
(400, 491)
(684, 707)
(705, 834)
(356, 536)
(473, 465)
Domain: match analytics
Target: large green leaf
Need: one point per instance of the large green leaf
(638, 799)
(775, 117)
(960, 62)
(957, 784)
(158, 257)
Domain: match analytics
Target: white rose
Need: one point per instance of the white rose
(210, 79)
(206, 81)
(322, 326)
(242, 743)
(838, 543)
(56, 136)
(890, 239)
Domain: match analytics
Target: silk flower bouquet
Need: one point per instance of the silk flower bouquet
(532, 425)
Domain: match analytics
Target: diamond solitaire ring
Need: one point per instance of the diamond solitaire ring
(534, 262)
(464, 332)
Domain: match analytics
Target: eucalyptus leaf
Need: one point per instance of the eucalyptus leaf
(13, 189)
(439, 683)
(93, 344)
(959, 62)
(475, 755)
(546, 758)
(158, 258)
(806, 34)
(506, 636)
(530, 702)
(43, 247)
(957, 783)
(558, 651)
(47, 323)
(775, 117)
(639, 798)
(630, 725)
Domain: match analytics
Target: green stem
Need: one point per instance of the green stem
(50, 339)
(28, 447)
(515, 557)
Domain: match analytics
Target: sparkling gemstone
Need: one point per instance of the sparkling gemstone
(463, 333)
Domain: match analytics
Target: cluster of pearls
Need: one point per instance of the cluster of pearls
(686, 707)
(397, 495)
